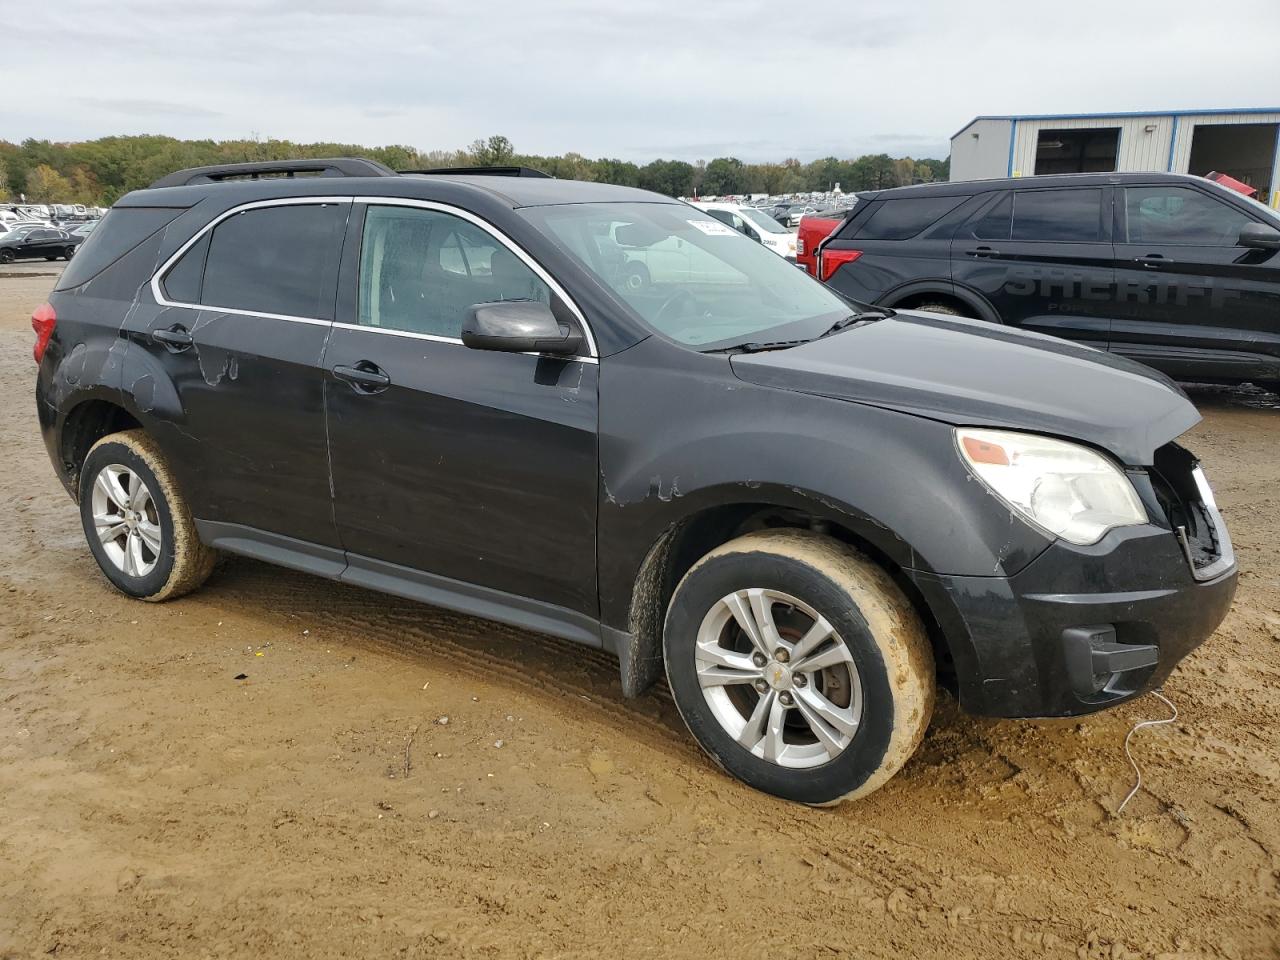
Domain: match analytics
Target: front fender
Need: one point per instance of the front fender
(700, 439)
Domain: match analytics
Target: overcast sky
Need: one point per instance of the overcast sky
(691, 79)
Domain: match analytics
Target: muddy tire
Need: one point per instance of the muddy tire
(943, 308)
(136, 522)
(799, 666)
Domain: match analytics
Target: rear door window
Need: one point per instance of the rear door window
(1063, 216)
(995, 224)
(1180, 215)
(276, 260)
(182, 282)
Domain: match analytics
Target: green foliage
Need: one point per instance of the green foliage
(101, 171)
(725, 175)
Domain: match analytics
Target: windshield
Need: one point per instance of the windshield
(689, 277)
(763, 221)
(1261, 207)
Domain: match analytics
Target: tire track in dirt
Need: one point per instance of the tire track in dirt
(152, 805)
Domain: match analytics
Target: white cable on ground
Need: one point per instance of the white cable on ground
(1136, 727)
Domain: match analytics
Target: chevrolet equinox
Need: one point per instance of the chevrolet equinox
(805, 511)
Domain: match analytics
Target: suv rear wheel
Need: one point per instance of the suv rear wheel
(943, 308)
(138, 526)
(799, 666)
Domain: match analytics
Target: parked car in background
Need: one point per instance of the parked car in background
(36, 243)
(1172, 270)
(756, 224)
(814, 228)
(804, 513)
(85, 229)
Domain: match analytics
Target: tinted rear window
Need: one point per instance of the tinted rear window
(182, 282)
(122, 229)
(1067, 216)
(280, 260)
(994, 224)
(900, 219)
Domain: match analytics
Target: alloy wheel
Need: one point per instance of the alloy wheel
(778, 678)
(126, 520)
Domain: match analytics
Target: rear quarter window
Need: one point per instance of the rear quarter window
(899, 219)
(122, 229)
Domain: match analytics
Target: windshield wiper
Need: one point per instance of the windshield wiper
(857, 320)
(761, 347)
(848, 323)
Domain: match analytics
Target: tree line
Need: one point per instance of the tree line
(98, 172)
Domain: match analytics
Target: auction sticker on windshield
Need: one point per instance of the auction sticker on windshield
(713, 228)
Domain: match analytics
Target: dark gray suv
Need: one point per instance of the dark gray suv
(805, 512)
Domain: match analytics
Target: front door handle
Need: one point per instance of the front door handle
(364, 377)
(175, 339)
(1154, 261)
(982, 252)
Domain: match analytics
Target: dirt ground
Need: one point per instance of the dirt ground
(152, 805)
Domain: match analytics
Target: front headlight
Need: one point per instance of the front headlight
(1066, 489)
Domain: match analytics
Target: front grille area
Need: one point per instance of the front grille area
(1190, 511)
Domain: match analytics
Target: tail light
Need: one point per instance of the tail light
(833, 260)
(42, 322)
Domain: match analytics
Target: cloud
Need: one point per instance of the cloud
(148, 108)
(747, 78)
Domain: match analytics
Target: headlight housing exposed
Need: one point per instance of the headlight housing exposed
(1067, 490)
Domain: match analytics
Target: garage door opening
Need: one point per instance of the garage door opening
(1077, 151)
(1246, 151)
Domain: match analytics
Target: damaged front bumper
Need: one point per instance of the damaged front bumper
(1079, 629)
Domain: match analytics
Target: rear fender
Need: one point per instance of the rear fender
(979, 304)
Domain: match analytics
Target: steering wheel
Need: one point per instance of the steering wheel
(669, 305)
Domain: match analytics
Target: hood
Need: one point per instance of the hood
(972, 373)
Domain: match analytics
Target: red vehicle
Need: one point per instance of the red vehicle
(814, 228)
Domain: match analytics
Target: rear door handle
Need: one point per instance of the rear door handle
(364, 376)
(1154, 261)
(982, 252)
(175, 339)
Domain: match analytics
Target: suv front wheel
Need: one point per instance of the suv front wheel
(138, 526)
(799, 666)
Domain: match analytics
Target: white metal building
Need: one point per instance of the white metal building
(1242, 143)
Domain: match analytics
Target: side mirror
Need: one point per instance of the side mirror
(518, 326)
(1259, 235)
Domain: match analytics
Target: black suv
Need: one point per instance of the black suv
(1175, 271)
(805, 511)
(35, 243)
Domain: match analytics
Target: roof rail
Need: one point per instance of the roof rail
(485, 171)
(328, 167)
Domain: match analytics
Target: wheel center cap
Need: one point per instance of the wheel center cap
(778, 676)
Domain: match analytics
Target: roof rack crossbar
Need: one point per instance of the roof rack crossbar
(326, 167)
(484, 172)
